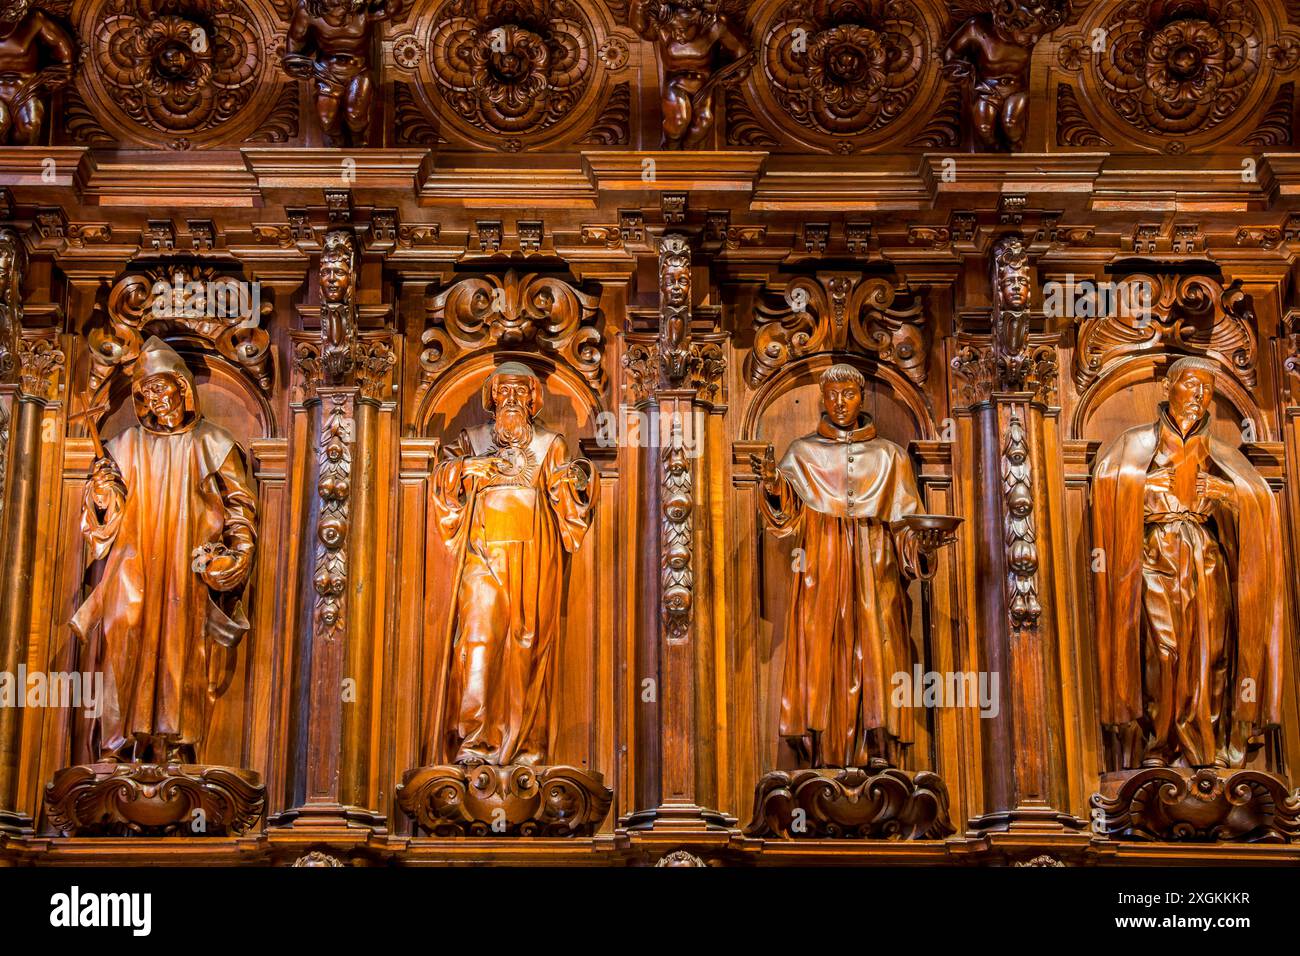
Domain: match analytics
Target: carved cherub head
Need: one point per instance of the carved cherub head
(843, 390)
(1189, 389)
(337, 267)
(12, 13)
(319, 8)
(675, 272)
(1011, 274)
(1023, 21)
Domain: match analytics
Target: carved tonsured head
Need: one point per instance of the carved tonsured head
(166, 399)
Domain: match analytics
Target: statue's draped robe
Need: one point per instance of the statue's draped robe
(511, 538)
(843, 493)
(1189, 634)
(158, 618)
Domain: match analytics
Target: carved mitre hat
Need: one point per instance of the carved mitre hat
(159, 358)
(518, 370)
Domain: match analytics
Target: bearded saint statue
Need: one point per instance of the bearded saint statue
(171, 510)
(1189, 596)
(511, 506)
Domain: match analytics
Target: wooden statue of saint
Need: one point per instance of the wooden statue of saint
(511, 506)
(1190, 623)
(845, 493)
(172, 512)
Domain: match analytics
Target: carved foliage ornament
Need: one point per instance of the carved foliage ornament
(511, 311)
(1178, 70)
(187, 295)
(195, 71)
(1192, 315)
(839, 312)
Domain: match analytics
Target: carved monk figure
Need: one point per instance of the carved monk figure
(172, 509)
(329, 42)
(36, 54)
(842, 493)
(993, 50)
(1189, 627)
(690, 34)
(511, 506)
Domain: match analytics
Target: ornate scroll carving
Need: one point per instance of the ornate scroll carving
(36, 57)
(1192, 315)
(983, 374)
(334, 486)
(674, 308)
(40, 360)
(484, 801)
(182, 294)
(133, 799)
(514, 311)
(706, 370)
(1202, 805)
(1021, 543)
(851, 803)
(194, 73)
(991, 51)
(702, 47)
(838, 312)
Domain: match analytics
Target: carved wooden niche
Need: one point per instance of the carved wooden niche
(186, 74)
(1179, 77)
(843, 76)
(474, 325)
(514, 75)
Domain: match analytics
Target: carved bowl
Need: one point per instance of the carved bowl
(947, 523)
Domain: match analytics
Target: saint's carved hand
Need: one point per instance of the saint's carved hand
(105, 484)
(765, 468)
(930, 540)
(481, 467)
(228, 570)
(1215, 489)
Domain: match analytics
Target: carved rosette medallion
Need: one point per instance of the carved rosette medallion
(1180, 76)
(484, 800)
(1203, 805)
(849, 803)
(524, 72)
(843, 75)
(132, 799)
(188, 73)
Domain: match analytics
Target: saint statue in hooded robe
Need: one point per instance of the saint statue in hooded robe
(171, 511)
(511, 506)
(843, 493)
(1189, 595)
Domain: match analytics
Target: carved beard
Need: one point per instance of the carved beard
(512, 427)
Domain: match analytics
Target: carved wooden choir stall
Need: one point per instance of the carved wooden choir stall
(626, 432)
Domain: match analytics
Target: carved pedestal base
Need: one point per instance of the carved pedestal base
(505, 801)
(135, 799)
(883, 805)
(1196, 806)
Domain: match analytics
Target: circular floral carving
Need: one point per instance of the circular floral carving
(406, 51)
(196, 71)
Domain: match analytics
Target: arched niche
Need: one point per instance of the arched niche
(788, 405)
(453, 402)
(226, 397)
(1130, 395)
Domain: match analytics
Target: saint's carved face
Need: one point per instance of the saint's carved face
(164, 398)
(335, 280)
(1015, 289)
(843, 402)
(511, 392)
(1190, 395)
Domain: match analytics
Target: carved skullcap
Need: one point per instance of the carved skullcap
(1190, 363)
(843, 372)
(516, 370)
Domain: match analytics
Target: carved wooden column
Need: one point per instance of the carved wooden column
(342, 380)
(671, 364)
(1009, 383)
(22, 407)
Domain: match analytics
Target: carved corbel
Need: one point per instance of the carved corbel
(841, 312)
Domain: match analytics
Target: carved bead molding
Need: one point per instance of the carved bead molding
(840, 75)
(1179, 77)
(188, 73)
(513, 311)
(206, 300)
(840, 311)
(1023, 609)
(334, 486)
(1189, 315)
(526, 72)
(677, 578)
